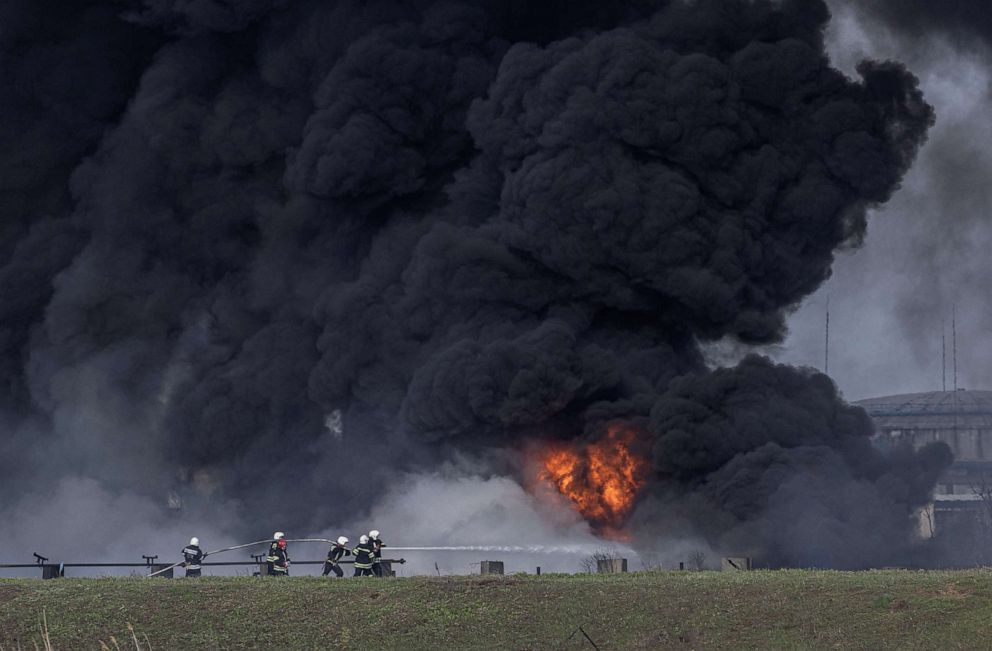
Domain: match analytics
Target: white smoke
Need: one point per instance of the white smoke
(461, 518)
(81, 521)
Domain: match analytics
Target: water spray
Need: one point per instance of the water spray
(510, 549)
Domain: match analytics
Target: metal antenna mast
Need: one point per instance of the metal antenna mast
(954, 343)
(943, 353)
(826, 341)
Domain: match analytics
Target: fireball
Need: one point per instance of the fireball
(601, 479)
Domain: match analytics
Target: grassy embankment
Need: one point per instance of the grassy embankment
(791, 609)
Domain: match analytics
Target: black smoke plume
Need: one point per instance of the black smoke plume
(449, 226)
(965, 23)
(783, 469)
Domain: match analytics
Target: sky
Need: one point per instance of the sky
(925, 252)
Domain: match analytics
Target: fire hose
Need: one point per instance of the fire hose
(228, 549)
(529, 549)
(217, 551)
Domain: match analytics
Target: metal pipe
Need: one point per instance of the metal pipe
(216, 551)
(401, 561)
(251, 544)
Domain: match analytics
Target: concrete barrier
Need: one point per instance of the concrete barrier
(492, 567)
(52, 571)
(611, 565)
(735, 564)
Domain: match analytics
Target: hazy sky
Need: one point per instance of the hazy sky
(926, 250)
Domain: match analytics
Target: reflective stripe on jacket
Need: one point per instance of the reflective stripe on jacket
(278, 557)
(192, 556)
(363, 556)
(335, 553)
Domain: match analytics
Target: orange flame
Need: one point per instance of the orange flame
(601, 479)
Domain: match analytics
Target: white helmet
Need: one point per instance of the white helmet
(374, 534)
(363, 540)
(194, 541)
(342, 540)
(278, 535)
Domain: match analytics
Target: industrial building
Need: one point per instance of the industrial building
(963, 420)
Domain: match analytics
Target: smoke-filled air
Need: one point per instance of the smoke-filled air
(443, 268)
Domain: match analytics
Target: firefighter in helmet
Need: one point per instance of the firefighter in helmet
(377, 546)
(278, 558)
(334, 555)
(363, 557)
(192, 557)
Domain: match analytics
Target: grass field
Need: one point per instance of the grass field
(793, 609)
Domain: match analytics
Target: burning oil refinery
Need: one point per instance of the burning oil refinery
(451, 269)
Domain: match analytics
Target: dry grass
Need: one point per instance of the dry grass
(134, 640)
(792, 609)
(45, 638)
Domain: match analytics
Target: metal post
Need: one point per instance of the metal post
(826, 341)
(954, 343)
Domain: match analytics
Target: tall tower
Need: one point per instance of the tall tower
(826, 341)
(954, 343)
(943, 354)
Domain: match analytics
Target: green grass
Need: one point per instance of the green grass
(792, 609)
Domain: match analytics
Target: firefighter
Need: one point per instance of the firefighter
(377, 546)
(363, 557)
(334, 554)
(193, 555)
(278, 558)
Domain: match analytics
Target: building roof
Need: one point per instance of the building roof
(961, 409)
(967, 497)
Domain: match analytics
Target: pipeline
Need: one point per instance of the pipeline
(218, 551)
(510, 549)
(228, 549)
(343, 561)
(519, 549)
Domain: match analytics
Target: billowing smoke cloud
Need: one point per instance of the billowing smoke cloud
(965, 21)
(924, 252)
(459, 225)
(784, 470)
